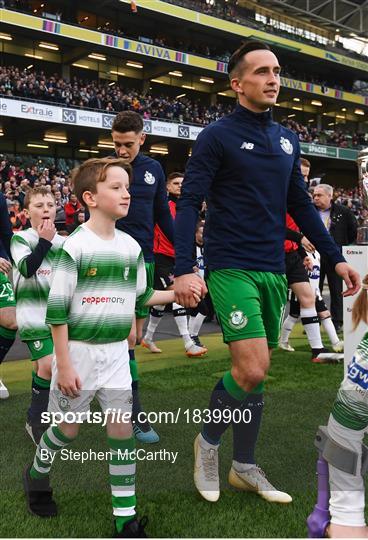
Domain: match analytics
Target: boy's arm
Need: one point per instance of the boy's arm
(68, 381)
(168, 297)
(26, 260)
(161, 298)
(61, 294)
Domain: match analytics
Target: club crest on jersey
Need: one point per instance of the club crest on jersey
(237, 319)
(91, 272)
(64, 403)
(38, 345)
(149, 178)
(286, 145)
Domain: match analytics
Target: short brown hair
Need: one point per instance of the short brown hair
(126, 121)
(174, 175)
(305, 162)
(32, 192)
(236, 59)
(91, 172)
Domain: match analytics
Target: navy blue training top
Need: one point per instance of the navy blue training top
(247, 167)
(148, 205)
(6, 231)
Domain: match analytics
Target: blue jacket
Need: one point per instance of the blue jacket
(148, 205)
(6, 231)
(247, 167)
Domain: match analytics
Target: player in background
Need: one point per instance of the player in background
(303, 297)
(33, 251)
(149, 206)
(8, 323)
(99, 278)
(164, 279)
(198, 314)
(323, 313)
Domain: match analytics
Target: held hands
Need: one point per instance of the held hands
(68, 382)
(5, 266)
(189, 289)
(308, 246)
(308, 263)
(46, 230)
(350, 276)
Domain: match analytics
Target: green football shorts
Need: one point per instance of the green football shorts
(40, 348)
(248, 304)
(150, 272)
(7, 297)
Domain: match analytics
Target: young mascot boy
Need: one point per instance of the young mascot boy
(33, 252)
(99, 278)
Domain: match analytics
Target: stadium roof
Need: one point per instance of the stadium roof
(347, 15)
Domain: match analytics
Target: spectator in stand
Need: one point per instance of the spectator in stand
(71, 209)
(99, 95)
(65, 193)
(60, 212)
(341, 223)
(79, 218)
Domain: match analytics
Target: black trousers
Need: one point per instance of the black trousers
(335, 286)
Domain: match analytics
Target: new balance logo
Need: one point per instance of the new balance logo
(247, 146)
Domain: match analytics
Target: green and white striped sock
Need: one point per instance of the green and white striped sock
(122, 479)
(52, 441)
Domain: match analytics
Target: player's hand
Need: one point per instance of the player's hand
(308, 263)
(350, 276)
(46, 230)
(196, 289)
(308, 246)
(5, 265)
(183, 292)
(68, 382)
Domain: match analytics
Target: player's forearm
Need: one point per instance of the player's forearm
(60, 339)
(185, 224)
(310, 223)
(161, 297)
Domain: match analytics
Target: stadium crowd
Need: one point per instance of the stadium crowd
(228, 10)
(101, 96)
(222, 9)
(15, 179)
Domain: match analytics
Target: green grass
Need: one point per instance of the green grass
(298, 398)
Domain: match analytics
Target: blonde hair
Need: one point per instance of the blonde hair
(360, 307)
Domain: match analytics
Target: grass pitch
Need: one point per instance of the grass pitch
(298, 398)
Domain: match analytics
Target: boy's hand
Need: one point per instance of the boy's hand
(308, 263)
(196, 289)
(68, 382)
(5, 265)
(46, 230)
(183, 293)
(308, 246)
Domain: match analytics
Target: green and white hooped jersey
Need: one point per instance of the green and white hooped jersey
(351, 405)
(96, 286)
(31, 293)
